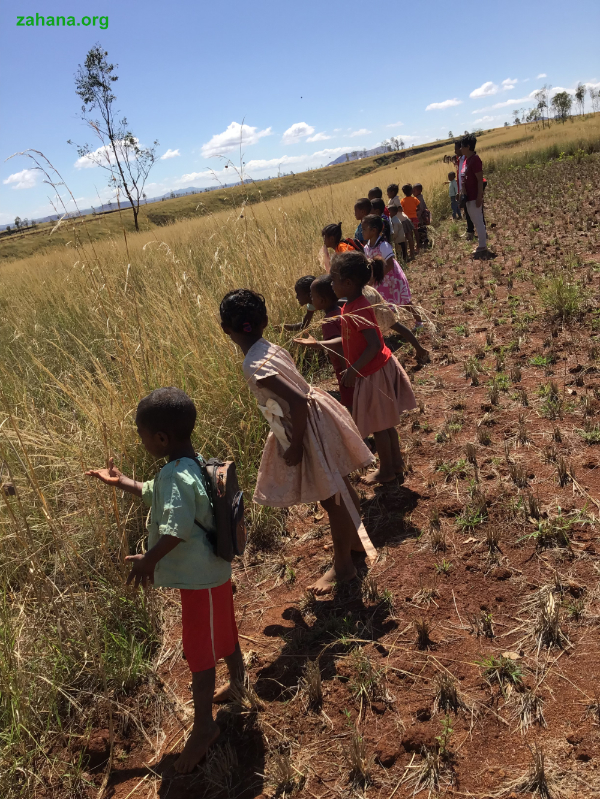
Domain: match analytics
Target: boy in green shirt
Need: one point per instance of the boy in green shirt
(180, 556)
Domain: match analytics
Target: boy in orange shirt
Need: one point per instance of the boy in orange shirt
(410, 205)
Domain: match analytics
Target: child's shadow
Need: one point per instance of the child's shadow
(324, 629)
(234, 764)
(384, 515)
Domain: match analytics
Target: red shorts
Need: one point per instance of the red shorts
(209, 628)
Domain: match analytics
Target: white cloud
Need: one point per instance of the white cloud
(509, 83)
(297, 132)
(170, 154)
(104, 155)
(236, 135)
(542, 75)
(319, 137)
(444, 104)
(485, 119)
(485, 90)
(395, 125)
(361, 132)
(329, 153)
(25, 179)
(505, 104)
(592, 85)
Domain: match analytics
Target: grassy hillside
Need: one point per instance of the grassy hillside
(500, 143)
(89, 327)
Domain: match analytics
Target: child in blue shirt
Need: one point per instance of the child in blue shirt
(180, 556)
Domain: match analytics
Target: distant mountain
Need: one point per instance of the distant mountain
(355, 155)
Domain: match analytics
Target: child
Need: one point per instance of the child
(325, 299)
(453, 193)
(378, 207)
(332, 240)
(377, 194)
(181, 556)
(362, 208)
(385, 316)
(410, 205)
(398, 234)
(314, 444)
(423, 216)
(392, 284)
(382, 390)
(302, 289)
(409, 228)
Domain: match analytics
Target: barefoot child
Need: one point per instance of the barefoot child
(382, 390)
(362, 208)
(302, 289)
(324, 299)
(410, 206)
(180, 556)
(392, 285)
(313, 444)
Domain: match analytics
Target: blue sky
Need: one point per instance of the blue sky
(309, 80)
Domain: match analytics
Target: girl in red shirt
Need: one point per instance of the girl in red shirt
(382, 390)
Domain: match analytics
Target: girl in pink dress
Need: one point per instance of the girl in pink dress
(313, 445)
(394, 287)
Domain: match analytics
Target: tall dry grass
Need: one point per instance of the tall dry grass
(84, 334)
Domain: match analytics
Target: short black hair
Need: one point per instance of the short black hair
(407, 189)
(364, 204)
(457, 144)
(374, 221)
(323, 286)
(451, 175)
(333, 230)
(417, 186)
(469, 141)
(393, 187)
(376, 192)
(355, 266)
(378, 205)
(167, 410)
(243, 310)
(304, 283)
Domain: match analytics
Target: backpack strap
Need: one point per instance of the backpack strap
(210, 534)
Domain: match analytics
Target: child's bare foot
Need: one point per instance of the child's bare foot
(325, 584)
(378, 477)
(196, 747)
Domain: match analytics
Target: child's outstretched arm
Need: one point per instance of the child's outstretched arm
(300, 325)
(114, 477)
(367, 355)
(298, 410)
(327, 344)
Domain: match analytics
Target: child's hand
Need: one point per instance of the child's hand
(309, 341)
(142, 570)
(293, 455)
(111, 476)
(349, 377)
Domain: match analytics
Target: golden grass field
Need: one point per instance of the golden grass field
(85, 332)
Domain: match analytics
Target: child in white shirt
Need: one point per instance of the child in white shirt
(398, 234)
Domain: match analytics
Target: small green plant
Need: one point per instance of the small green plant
(444, 567)
(453, 470)
(501, 670)
(443, 739)
(540, 360)
(562, 298)
(591, 435)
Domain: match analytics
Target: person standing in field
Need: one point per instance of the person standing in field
(453, 194)
(472, 189)
(410, 206)
(377, 194)
(409, 230)
(460, 168)
(423, 215)
(313, 445)
(362, 208)
(180, 555)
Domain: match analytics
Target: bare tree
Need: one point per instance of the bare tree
(516, 120)
(580, 97)
(595, 99)
(18, 222)
(542, 97)
(120, 153)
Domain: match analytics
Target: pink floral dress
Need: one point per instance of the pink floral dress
(394, 288)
